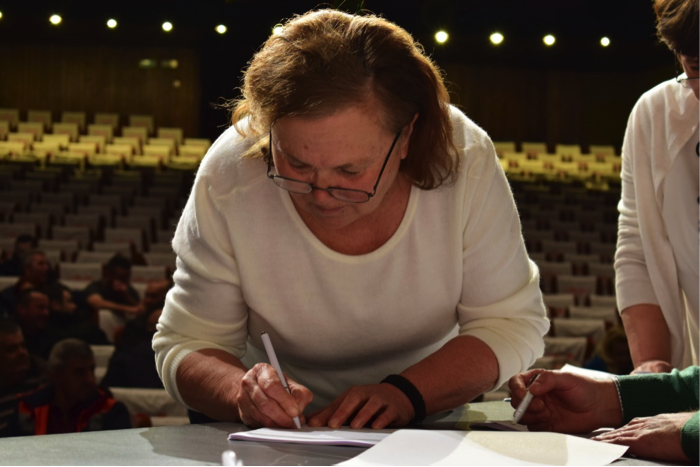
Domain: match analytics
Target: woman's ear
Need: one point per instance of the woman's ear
(409, 131)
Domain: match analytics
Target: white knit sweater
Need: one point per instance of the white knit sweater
(661, 123)
(247, 263)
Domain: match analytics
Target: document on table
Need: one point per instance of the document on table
(433, 447)
(306, 435)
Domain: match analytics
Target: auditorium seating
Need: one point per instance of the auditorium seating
(87, 198)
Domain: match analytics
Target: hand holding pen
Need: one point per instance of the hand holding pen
(565, 402)
(263, 399)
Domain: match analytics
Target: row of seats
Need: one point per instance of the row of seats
(535, 148)
(13, 117)
(134, 144)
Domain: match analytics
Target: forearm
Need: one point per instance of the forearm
(209, 380)
(461, 370)
(652, 394)
(647, 333)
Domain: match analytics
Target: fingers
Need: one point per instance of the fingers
(263, 400)
(518, 383)
(372, 407)
(321, 417)
(379, 404)
(347, 407)
(301, 394)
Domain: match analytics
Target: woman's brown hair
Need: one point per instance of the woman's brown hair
(677, 25)
(326, 60)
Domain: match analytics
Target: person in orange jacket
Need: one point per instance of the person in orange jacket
(72, 402)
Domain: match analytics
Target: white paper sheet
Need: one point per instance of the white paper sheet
(306, 435)
(428, 447)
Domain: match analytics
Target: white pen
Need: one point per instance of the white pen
(276, 365)
(229, 458)
(525, 403)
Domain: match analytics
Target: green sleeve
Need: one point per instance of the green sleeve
(654, 394)
(690, 439)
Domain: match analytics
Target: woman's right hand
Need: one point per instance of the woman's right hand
(566, 402)
(263, 401)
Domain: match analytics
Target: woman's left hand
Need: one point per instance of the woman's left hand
(386, 403)
(656, 437)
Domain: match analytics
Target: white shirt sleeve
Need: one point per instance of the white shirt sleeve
(501, 302)
(206, 282)
(633, 283)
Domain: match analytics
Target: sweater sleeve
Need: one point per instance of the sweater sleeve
(690, 440)
(633, 284)
(501, 302)
(205, 309)
(654, 394)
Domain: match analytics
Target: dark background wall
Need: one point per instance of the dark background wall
(574, 92)
(102, 79)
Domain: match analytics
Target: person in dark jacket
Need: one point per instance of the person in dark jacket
(20, 372)
(66, 319)
(133, 363)
(12, 267)
(72, 402)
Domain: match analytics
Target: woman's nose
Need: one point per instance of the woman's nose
(321, 195)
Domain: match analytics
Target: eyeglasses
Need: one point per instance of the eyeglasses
(344, 194)
(685, 82)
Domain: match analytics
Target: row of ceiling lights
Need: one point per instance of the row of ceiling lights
(441, 37)
(497, 38)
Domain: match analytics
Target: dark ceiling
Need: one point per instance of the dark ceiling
(577, 24)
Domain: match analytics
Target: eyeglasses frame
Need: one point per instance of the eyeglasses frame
(330, 189)
(682, 81)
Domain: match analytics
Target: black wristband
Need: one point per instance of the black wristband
(410, 391)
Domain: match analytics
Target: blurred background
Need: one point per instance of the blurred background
(579, 90)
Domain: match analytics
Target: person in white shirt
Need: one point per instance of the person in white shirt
(365, 225)
(657, 258)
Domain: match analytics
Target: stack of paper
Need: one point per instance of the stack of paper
(306, 435)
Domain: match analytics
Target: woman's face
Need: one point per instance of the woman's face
(346, 150)
(690, 66)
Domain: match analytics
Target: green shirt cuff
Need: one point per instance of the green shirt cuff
(690, 440)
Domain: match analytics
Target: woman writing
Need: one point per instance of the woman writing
(365, 225)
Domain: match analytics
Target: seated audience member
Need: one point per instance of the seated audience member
(656, 415)
(133, 363)
(32, 314)
(35, 274)
(72, 402)
(20, 372)
(12, 267)
(113, 292)
(612, 354)
(66, 319)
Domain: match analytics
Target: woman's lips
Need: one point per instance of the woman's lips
(328, 211)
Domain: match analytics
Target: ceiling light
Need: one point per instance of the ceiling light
(496, 38)
(55, 19)
(441, 37)
(277, 30)
(167, 26)
(549, 39)
(112, 23)
(605, 42)
(221, 29)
